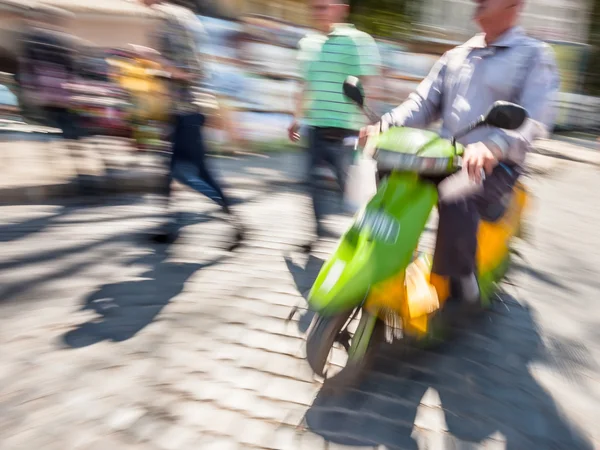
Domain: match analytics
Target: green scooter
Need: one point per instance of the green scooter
(375, 287)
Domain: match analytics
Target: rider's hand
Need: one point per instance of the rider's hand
(293, 131)
(479, 157)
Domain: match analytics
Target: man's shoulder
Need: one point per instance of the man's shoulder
(311, 38)
(311, 42)
(181, 13)
(544, 49)
(517, 39)
(355, 35)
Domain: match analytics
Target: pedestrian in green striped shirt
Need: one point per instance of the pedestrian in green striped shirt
(327, 57)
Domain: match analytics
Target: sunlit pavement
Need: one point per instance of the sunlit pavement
(110, 342)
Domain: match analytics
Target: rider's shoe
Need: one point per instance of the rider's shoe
(468, 289)
(464, 299)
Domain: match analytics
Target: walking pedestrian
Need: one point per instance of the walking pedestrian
(177, 43)
(327, 59)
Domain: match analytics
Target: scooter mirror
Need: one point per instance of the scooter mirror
(505, 115)
(354, 91)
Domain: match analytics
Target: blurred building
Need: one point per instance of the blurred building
(105, 23)
(558, 20)
(295, 11)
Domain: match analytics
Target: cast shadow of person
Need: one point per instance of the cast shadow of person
(303, 279)
(61, 216)
(125, 308)
(474, 390)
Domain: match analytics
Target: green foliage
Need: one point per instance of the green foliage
(383, 18)
(592, 78)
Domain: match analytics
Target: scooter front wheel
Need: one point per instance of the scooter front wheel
(340, 352)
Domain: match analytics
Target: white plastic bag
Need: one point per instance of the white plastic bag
(361, 183)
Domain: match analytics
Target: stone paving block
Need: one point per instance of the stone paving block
(290, 366)
(309, 441)
(146, 429)
(223, 423)
(177, 437)
(79, 439)
(255, 433)
(390, 408)
(334, 446)
(245, 378)
(285, 438)
(260, 308)
(279, 412)
(279, 344)
(327, 421)
(200, 389)
(239, 400)
(124, 418)
(113, 442)
(30, 439)
(276, 326)
(427, 439)
(388, 433)
(290, 390)
(217, 443)
(293, 415)
(194, 413)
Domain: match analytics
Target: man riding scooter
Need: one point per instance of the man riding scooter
(501, 63)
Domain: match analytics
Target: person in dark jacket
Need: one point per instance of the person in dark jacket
(176, 42)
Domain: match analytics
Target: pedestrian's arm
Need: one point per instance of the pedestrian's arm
(304, 58)
(299, 102)
(537, 97)
(423, 106)
(369, 67)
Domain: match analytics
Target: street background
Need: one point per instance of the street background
(109, 341)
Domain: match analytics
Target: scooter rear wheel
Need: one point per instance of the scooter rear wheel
(323, 338)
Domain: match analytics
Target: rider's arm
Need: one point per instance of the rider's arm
(423, 106)
(537, 97)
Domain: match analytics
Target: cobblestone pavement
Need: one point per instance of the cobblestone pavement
(108, 342)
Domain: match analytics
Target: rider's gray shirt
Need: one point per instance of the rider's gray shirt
(468, 79)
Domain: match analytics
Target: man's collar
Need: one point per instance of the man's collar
(510, 38)
(336, 27)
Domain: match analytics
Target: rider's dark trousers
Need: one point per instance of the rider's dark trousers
(456, 244)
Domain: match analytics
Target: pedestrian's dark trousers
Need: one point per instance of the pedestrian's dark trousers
(456, 244)
(188, 160)
(326, 146)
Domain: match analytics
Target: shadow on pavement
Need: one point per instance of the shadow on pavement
(15, 231)
(477, 387)
(303, 279)
(126, 308)
(541, 276)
